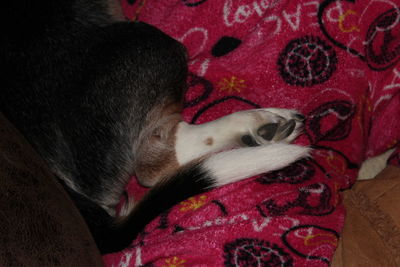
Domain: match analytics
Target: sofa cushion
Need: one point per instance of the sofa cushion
(371, 235)
(39, 224)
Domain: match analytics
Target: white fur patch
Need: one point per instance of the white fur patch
(194, 141)
(237, 164)
(190, 140)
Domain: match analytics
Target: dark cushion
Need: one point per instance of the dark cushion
(39, 224)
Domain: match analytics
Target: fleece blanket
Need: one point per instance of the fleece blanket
(337, 63)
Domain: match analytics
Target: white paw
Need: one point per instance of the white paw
(270, 125)
(237, 164)
(244, 128)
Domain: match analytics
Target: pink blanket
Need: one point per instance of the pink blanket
(335, 61)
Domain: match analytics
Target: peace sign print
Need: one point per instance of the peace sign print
(307, 61)
(247, 252)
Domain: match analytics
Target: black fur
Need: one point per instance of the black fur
(111, 236)
(190, 181)
(79, 85)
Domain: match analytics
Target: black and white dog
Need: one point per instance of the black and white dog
(100, 99)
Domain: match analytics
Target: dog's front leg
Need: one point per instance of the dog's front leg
(171, 143)
(245, 128)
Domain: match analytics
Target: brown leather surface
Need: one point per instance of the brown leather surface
(39, 225)
(371, 235)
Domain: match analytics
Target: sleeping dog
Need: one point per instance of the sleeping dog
(100, 99)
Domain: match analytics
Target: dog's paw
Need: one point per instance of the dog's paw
(277, 125)
(244, 128)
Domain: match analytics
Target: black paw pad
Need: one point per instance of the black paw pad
(248, 140)
(268, 131)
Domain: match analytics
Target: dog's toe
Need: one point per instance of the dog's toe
(285, 130)
(268, 131)
(283, 126)
(276, 131)
(299, 117)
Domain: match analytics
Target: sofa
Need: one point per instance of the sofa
(39, 224)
